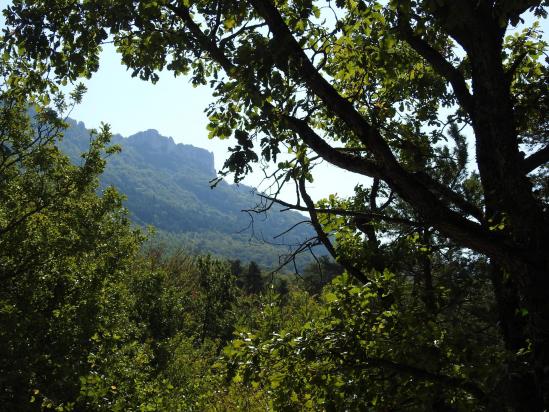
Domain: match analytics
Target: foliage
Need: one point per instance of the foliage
(61, 246)
(252, 280)
(169, 317)
(389, 91)
(336, 360)
(89, 320)
(318, 274)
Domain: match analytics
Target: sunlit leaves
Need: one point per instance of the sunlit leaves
(344, 360)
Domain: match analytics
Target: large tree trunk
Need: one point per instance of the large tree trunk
(536, 302)
(509, 200)
(519, 388)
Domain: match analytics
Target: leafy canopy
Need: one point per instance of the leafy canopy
(386, 90)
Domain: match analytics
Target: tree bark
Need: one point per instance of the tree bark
(510, 202)
(521, 388)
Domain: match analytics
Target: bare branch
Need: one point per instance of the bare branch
(355, 272)
(346, 212)
(291, 228)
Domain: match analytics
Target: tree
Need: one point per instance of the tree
(252, 282)
(168, 319)
(317, 275)
(87, 321)
(61, 247)
(381, 360)
(370, 87)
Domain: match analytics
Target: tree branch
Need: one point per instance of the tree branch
(356, 273)
(510, 73)
(422, 374)
(334, 156)
(408, 187)
(536, 160)
(405, 184)
(439, 63)
(451, 196)
(237, 33)
(346, 212)
(514, 8)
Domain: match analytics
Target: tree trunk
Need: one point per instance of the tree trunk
(510, 202)
(519, 389)
(536, 303)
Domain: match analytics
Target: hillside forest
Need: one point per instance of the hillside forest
(431, 292)
(167, 187)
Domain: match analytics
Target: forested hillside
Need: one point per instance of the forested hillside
(167, 186)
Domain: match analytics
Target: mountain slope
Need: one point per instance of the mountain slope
(167, 186)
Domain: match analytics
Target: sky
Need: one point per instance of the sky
(176, 109)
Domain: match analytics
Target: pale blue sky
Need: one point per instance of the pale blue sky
(176, 109)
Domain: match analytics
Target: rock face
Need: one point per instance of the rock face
(167, 186)
(163, 153)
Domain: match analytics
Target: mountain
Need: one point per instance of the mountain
(167, 186)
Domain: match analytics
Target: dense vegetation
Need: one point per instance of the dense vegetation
(91, 323)
(443, 301)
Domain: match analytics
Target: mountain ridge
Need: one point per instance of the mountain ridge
(167, 185)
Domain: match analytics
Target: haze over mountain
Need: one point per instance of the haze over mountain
(167, 186)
